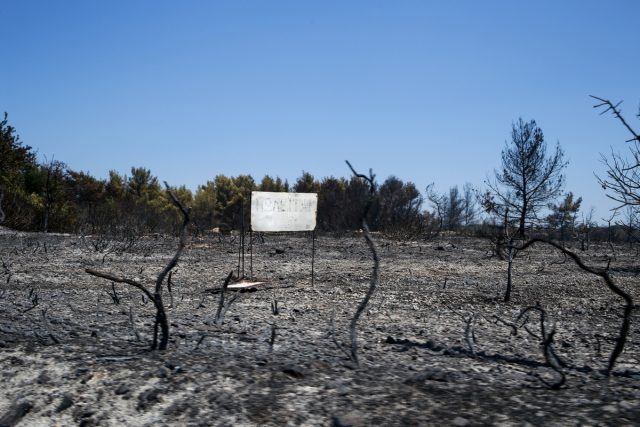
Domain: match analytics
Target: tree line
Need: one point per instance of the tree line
(50, 196)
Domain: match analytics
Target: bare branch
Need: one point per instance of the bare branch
(221, 304)
(181, 243)
(617, 113)
(547, 346)
(376, 264)
(604, 274)
(117, 279)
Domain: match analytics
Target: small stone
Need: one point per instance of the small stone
(43, 378)
(430, 374)
(65, 403)
(625, 404)
(15, 413)
(148, 398)
(294, 371)
(459, 421)
(13, 360)
(80, 372)
(162, 372)
(122, 389)
(350, 419)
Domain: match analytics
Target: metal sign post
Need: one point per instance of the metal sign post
(279, 211)
(313, 254)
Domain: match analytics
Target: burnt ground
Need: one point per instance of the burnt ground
(70, 356)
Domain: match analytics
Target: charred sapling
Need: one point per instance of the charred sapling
(223, 304)
(546, 342)
(353, 333)
(161, 320)
(613, 287)
(469, 333)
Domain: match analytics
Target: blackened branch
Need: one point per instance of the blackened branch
(617, 113)
(376, 263)
(608, 280)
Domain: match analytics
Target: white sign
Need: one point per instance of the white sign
(283, 211)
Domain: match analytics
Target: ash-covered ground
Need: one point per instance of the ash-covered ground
(431, 350)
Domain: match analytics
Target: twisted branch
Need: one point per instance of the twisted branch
(604, 274)
(376, 263)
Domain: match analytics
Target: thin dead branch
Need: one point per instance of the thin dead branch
(513, 326)
(223, 305)
(202, 337)
(547, 347)
(161, 321)
(617, 113)
(608, 280)
(623, 175)
(113, 294)
(34, 299)
(469, 334)
(376, 263)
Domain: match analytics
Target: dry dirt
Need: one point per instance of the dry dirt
(70, 356)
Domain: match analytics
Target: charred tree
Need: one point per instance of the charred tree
(529, 177)
(623, 175)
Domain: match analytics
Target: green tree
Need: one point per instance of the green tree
(17, 167)
(563, 215)
(55, 201)
(269, 184)
(146, 198)
(143, 185)
(171, 214)
(399, 204)
(244, 185)
(529, 178)
(231, 194)
(332, 204)
(357, 194)
(115, 187)
(306, 184)
(204, 206)
(88, 196)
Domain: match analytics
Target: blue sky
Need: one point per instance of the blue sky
(423, 90)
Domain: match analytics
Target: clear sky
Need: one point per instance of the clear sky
(424, 90)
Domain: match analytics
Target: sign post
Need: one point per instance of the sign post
(279, 211)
